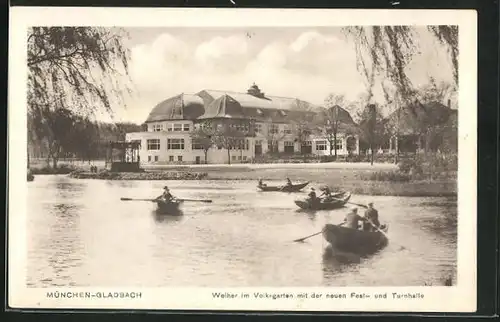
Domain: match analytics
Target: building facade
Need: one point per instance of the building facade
(241, 126)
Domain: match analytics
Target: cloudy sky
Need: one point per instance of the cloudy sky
(307, 63)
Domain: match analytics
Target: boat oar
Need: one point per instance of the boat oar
(153, 200)
(195, 200)
(133, 199)
(300, 240)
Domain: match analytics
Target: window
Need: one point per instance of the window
(258, 142)
(288, 129)
(274, 128)
(171, 158)
(258, 128)
(153, 144)
(157, 127)
(244, 158)
(240, 144)
(175, 144)
(307, 143)
(338, 144)
(288, 143)
(186, 127)
(197, 146)
(149, 158)
(272, 146)
(240, 127)
(289, 147)
(156, 158)
(239, 158)
(179, 158)
(177, 127)
(233, 158)
(321, 146)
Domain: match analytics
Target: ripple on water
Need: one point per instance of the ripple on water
(81, 234)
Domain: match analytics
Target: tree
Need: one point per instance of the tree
(372, 128)
(204, 136)
(335, 118)
(77, 68)
(304, 122)
(387, 50)
(228, 137)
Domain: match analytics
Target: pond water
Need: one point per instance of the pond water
(81, 234)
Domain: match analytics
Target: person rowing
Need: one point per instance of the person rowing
(312, 196)
(166, 196)
(371, 216)
(289, 182)
(327, 195)
(261, 184)
(352, 219)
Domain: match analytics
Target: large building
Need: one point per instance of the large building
(258, 124)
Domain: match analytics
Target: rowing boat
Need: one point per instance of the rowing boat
(171, 207)
(355, 241)
(285, 188)
(340, 200)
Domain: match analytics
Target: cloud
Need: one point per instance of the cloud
(310, 66)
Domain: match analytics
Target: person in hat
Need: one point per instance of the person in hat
(312, 196)
(166, 195)
(371, 216)
(327, 194)
(261, 184)
(352, 219)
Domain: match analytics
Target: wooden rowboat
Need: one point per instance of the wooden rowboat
(285, 188)
(353, 240)
(171, 207)
(341, 199)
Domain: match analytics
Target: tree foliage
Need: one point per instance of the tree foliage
(386, 51)
(76, 68)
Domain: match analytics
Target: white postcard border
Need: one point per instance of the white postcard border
(459, 298)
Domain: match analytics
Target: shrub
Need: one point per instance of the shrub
(392, 176)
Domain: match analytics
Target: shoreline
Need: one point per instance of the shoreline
(353, 180)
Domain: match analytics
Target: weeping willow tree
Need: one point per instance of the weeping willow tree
(81, 69)
(386, 51)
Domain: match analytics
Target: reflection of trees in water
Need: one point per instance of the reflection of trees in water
(63, 244)
(121, 183)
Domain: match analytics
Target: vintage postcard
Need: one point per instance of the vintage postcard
(252, 160)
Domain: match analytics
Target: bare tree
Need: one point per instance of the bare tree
(335, 118)
(204, 136)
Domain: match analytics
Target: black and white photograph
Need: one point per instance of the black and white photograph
(314, 162)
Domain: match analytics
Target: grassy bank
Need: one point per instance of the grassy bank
(354, 180)
(356, 177)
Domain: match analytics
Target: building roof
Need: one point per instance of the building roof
(183, 106)
(221, 104)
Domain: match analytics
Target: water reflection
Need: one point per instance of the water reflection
(160, 217)
(78, 227)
